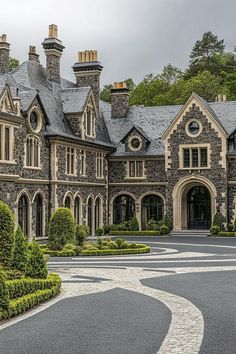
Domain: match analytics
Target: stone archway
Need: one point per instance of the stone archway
(180, 192)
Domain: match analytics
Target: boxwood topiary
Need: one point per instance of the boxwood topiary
(61, 229)
(99, 231)
(164, 230)
(230, 227)
(215, 230)
(36, 264)
(81, 233)
(4, 293)
(6, 234)
(20, 251)
(134, 225)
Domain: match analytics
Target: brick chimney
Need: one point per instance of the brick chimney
(33, 55)
(87, 71)
(53, 49)
(4, 54)
(119, 100)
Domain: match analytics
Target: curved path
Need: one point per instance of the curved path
(178, 299)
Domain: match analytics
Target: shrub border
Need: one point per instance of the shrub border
(135, 233)
(122, 251)
(225, 234)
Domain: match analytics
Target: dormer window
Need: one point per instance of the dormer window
(35, 120)
(135, 143)
(90, 122)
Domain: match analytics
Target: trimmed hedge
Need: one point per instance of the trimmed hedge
(122, 251)
(135, 233)
(31, 292)
(24, 286)
(227, 233)
(6, 234)
(63, 253)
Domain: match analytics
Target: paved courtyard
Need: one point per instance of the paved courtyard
(180, 298)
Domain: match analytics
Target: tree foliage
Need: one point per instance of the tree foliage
(13, 63)
(211, 71)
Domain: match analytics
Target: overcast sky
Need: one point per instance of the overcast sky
(133, 37)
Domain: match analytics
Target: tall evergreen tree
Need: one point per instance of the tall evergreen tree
(20, 251)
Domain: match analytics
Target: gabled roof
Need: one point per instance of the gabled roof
(140, 130)
(75, 99)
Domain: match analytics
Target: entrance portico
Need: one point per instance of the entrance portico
(194, 203)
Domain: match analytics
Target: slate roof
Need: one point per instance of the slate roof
(31, 80)
(154, 121)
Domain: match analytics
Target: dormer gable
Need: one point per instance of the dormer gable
(8, 104)
(136, 140)
(36, 117)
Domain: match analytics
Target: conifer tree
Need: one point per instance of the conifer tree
(20, 251)
(36, 264)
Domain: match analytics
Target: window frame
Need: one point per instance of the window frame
(11, 140)
(34, 141)
(132, 169)
(83, 163)
(70, 161)
(99, 165)
(90, 130)
(191, 148)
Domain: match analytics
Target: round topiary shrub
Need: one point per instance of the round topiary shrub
(124, 245)
(36, 264)
(230, 227)
(112, 245)
(61, 229)
(215, 230)
(6, 234)
(134, 225)
(119, 242)
(20, 251)
(81, 233)
(99, 231)
(164, 230)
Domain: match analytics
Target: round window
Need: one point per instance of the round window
(135, 143)
(193, 128)
(34, 120)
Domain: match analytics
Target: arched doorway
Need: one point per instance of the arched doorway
(123, 209)
(98, 211)
(23, 212)
(38, 215)
(67, 203)
(198, 208)
(90, 215)
(152, 208)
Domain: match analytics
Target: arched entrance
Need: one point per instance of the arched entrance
(189, 202)
(123, 209)
(152, 208)
(198, 208)
(90, 215)
(38, 215)
(23, 214)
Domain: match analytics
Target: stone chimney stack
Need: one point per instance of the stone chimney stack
(221, 98)
(53, 49)
(4, 54)
(119, 100)
(87, 72)
(33, 55)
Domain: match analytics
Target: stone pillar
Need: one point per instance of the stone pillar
(87, 71)
(33, 56)
(53, 49)
(4, 54)
(119, 100)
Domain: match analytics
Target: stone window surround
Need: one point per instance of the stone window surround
(36, 110)
(130, 142)
(11, 143)
(92, 232)
(198, 146)
(128, 170)
(35, 140)
(71, 152)
(99, 165)
(187, 127)
(92, 121)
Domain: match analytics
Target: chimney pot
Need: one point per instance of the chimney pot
(33, 56)
(52, 32)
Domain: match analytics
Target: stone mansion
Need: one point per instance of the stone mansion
(61, 146)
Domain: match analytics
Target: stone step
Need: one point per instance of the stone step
(190, 233)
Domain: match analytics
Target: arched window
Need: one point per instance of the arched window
(98, 216)
(32, 151)
(152, 208)
(90, 215)
(38, 215)
(123, 209)
(23, 211)
(90, 121)
(77, 210)
(67, 203)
